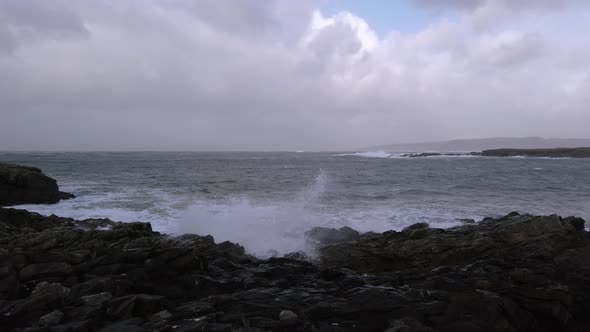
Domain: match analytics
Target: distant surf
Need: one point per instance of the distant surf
(368, 154)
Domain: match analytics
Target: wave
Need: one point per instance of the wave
(383, 154)
(368, 154)
(264, 228)
(154, 206)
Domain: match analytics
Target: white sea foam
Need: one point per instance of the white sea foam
(368, 154)
(161, 213)
(263, 228)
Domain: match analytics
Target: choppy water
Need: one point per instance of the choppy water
(267, 200)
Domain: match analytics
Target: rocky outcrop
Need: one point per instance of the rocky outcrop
(517, 273)
(27, 185)
(319, 236)
(551, 153)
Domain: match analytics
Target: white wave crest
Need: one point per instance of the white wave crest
(368, 154)
(264, 228)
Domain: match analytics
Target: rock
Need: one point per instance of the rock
(129, 325)
(408, 324)
(287, 315)
(298, 256)
(51, 319)
(27, 185)
(97, 299)
(419, 225)
(577, 223)
(164, 314)
(511, 237)
(323, 235)
(514, 273)
(583, 152)
(142, 305)
(39, 271)
(53, 290)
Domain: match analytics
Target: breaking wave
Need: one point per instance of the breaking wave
(369, 154)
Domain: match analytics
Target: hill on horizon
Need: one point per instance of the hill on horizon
(480, 144)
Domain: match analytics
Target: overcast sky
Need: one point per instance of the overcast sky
(289, 75)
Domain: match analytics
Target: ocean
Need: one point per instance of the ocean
(266, 201)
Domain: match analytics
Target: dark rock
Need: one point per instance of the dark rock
(323, 235)
(129, 325)
(577, 223)
(39, 271)
(27, 185)
(514, 273)
(287, 315)
(51, 319)
(97, 299)
(83, 325)
(138, 305)
(408, 324)
(509, 237)
(551, 153)
(420, 225)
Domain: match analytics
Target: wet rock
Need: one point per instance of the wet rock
(138, 305)
(52, 318)
(416, 226)
(97, 299)
(129, 325)
(323, 235)
(408, 324)
(514, 273)
(53, 290)
(287, 315)
(39, 271)
(27, 185)
(510, 237)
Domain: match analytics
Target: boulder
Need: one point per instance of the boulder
(27, 185)
(44, 270)
(52, 318)
(323, 235)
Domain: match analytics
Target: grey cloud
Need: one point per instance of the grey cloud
(188, 75)
(486, 14)
(22, 21)
(516, 4)
(337, 39)
(507, 51)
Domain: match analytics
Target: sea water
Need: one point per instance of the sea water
(266, 201)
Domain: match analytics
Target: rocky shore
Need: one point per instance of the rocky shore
(28, 185)
(515, 273)
(550, 153)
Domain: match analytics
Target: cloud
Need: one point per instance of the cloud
(271, 75)
(33, 20)
(516, 4)
(484, 14)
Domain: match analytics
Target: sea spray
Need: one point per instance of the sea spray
(264, 228)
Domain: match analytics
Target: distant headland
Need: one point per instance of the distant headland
(482, 144)
(552, 153)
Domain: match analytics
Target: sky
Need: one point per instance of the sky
(289, 75)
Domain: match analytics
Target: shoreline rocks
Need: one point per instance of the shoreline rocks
(515, 273)
(582, 152)
(28, 185)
